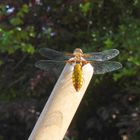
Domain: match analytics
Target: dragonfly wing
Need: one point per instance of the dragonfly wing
(49, 64)
(53, 54)
(102, 56)
(104, 67)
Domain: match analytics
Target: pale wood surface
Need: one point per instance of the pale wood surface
(61, 106)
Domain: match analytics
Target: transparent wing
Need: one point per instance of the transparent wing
(49, 64)
(104, 67)
(53, 54)
(102, 56)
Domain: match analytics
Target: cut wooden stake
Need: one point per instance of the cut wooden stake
(61, 106)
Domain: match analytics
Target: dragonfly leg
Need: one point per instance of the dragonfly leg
(70, 61)
(87, 55)
(84, 62)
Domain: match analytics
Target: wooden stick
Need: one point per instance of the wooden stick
(61, 106)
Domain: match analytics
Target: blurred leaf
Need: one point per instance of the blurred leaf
(108, 43)
(134, 60)
(85, 7)
(16, 21)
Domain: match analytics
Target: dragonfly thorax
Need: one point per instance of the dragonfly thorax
(78, 60)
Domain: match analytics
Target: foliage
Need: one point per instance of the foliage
(26, 26)
(16, 36)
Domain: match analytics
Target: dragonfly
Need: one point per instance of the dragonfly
(99, 61)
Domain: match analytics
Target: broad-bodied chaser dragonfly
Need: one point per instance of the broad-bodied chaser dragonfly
(99, 61)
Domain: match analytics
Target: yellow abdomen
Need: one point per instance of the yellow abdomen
(77, 77)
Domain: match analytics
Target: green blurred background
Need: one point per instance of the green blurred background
(110, 110)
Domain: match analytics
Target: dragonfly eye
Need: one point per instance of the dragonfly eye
(78, 51)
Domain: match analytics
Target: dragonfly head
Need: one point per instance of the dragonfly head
(78, 51)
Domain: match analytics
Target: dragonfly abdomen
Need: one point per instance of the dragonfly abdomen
(77, 77)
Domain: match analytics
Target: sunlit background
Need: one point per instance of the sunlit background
(110, 110)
